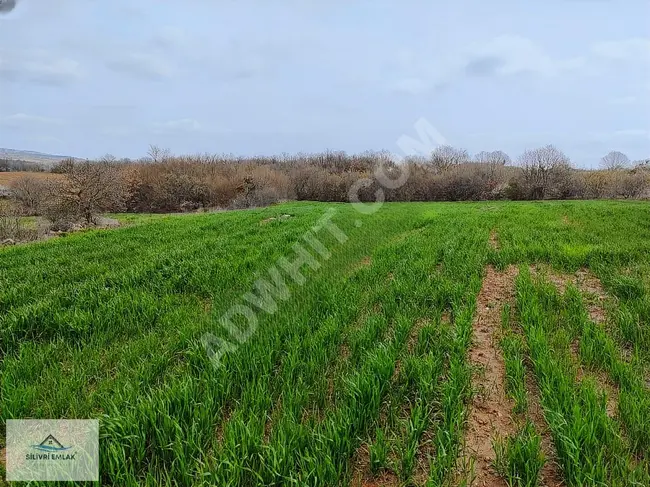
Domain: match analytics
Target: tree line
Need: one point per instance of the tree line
(162, 182)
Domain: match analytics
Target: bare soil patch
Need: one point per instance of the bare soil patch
(490, 409)
(7, 178)
(273, 218)
(272, 419)
(414, 334)
(363, 477)
(225, 418)
(365, 262)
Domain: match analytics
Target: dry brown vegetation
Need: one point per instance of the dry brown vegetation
(8, 178)
(76, 191)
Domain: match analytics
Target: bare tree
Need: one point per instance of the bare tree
(88, 189)
(495, 157)
(157, 154)
(615, 161)
(492, 166)
(108, 159)
(445, 157)
(63, 166)
(540, 167)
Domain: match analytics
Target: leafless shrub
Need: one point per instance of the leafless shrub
(631, 184)
(568, 184)
(179, 190)
(162, 183)
(641, 165)
(445, 157)
(30, 194)
(13, 227)
(261, 186)
(316, 184)
(617, 184)
(257, 198)
(87, 189)
(158, 154)
(542, 169)
(496, 157)
(471, 182)
(63, 166)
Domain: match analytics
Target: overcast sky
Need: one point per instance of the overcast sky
(89, 77)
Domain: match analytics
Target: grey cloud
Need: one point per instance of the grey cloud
(7, 6)
(484, 66)
(506, 55)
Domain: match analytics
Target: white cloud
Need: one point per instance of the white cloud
(506, 55)
(38, 66)
(18, 120)
(635, 49)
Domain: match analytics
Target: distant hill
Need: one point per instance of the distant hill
(30, 156)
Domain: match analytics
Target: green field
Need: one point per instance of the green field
(362, 370)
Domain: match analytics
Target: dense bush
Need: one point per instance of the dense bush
(163, 183)
(30, 194)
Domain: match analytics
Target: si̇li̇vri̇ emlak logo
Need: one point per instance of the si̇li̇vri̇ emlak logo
(51, 449)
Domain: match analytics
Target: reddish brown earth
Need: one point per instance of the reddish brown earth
(6, 178)
(362, 476)
(490, 410)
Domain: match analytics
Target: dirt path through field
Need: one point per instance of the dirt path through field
(491, 407)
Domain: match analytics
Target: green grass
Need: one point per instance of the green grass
(514, 355)
(109, 325)
(519, 459)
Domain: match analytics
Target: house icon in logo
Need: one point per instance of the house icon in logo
(50, 444)
(51, 441)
